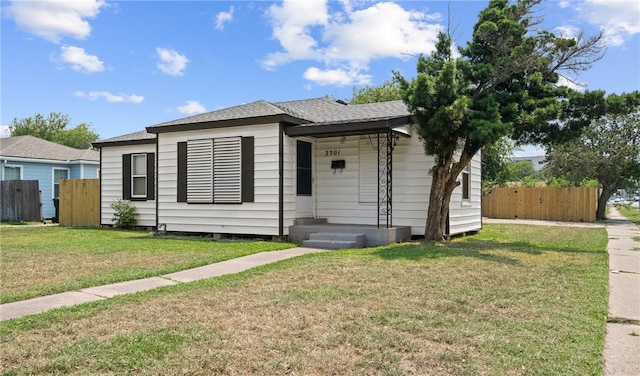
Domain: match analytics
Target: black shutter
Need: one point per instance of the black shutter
(126, 176)
(182, 172)
(151, 176)
(247, 193)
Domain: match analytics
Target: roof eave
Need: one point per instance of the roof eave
(279, 118)
(10, 158)
(142, 141)
(321, 130)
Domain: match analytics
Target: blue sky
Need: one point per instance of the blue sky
(122, 66)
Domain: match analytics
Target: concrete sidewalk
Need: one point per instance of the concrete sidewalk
(70, 298)
(622, 340)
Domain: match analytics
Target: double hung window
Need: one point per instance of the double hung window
(138, 176)
(58, 174)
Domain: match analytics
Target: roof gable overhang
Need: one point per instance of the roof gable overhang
(9, 159)
(399, 125)
(144, 141)
(234, 122)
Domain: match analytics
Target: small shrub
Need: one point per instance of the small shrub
(125, 214)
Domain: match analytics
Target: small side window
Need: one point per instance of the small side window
(58, 174)
(465, 182)
(12, 172)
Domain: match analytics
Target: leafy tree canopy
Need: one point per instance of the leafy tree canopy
(388, 91)
(608, 150)
(54, 129)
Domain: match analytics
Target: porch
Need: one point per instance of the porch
(318, 233)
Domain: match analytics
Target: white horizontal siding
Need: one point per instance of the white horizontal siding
(411, 184)
(338, 193)
(259, 217)
(111, 185)
(466, 215)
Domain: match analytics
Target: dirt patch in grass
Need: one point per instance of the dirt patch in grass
(472, 307)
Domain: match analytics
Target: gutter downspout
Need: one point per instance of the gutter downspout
(100, 190)
(155, 186)
(280, 181)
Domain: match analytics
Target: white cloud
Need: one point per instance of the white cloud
(192, 108)
(339, 77)
(80, 60)
(5, 131)
(571, 83)
(54, 19)
(171, 62)
(619, 18)
(111, 98)
(567, 31)
(347, 37)
(224, 17)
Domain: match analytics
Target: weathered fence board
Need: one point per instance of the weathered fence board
(20, 200)
(544, 203)
(80, 202)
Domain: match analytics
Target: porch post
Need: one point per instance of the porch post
(386, 143)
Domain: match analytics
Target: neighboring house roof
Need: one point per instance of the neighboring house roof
(319, 116)
(29, 147)
(135, 138)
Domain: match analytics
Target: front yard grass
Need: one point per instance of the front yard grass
(632, 214)
(513, 300)
(40, 261)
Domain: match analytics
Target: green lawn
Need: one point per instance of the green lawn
(513, 300)
(39, 261)
(632, 214)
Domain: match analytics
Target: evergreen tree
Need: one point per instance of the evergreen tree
(503, 84)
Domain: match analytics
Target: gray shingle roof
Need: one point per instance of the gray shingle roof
(36, 148)
(139, 136)
(327, 111)
(244, 111)
(317, 111)
(311, 113)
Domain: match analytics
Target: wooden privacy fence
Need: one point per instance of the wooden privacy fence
(80, 202)
(552, 204)
(20, 200)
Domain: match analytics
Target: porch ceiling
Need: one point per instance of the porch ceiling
(398, 125)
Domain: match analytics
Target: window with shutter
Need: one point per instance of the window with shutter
(200, 171)
(138, 176)
(218, 170)
(227, 170)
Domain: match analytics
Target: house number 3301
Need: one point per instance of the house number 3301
(331, 153)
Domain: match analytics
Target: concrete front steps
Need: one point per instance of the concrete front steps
(333, 240)
(303, 228)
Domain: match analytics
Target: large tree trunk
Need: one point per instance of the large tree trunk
(438, 207)
(602, 202)
(607, 191)
(444, 181)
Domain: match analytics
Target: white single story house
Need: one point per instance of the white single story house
(284, 169)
